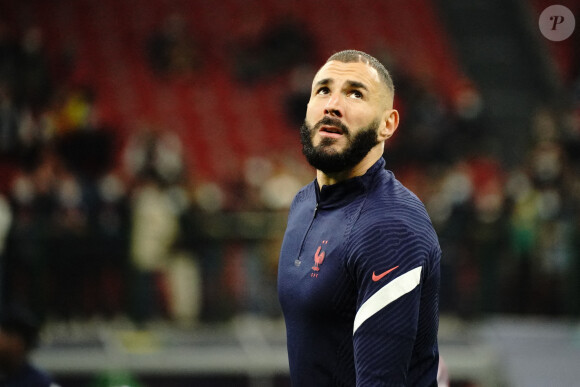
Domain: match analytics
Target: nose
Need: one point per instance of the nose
(333, 107)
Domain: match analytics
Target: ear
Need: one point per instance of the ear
(391, 120)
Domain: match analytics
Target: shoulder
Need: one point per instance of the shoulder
(391, 206)
(393, 222)
(305, 193)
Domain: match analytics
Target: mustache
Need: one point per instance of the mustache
(329, 121)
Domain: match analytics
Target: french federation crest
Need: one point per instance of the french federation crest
(319, 256)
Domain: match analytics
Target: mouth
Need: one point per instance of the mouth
(330, 131)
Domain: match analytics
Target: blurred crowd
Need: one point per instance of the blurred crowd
(509, 231)
(92, 226)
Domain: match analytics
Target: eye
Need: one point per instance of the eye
(323, 90)
(355, 94)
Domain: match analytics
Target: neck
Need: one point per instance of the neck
(358, 170)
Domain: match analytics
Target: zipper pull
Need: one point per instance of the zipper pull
(315, 210)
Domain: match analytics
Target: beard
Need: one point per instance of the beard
(327, 159)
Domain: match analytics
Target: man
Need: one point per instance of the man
(358, 277)
(18, 336)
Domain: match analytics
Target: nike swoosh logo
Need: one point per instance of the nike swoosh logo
(378, 277)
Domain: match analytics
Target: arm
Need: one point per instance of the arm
(395, 329)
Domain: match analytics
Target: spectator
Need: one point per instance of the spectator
(154, 231)
(297, 99)
(8, 122)
(35, 84)
(25, 273)
(8, 57)
(171, 49)
(285, 44)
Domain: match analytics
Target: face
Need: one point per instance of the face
(347, 117)
(326, 158)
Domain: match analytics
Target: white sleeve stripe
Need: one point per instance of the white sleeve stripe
(388, 293)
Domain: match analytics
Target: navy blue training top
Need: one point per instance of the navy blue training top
(358, 282)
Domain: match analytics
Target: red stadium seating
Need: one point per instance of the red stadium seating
(216, 116)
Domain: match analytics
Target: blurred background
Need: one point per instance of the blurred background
(149, 151)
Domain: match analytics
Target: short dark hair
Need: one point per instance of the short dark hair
(349, 56)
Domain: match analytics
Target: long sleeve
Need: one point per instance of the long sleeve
(396, 270)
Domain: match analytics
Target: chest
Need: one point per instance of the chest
(313, 276)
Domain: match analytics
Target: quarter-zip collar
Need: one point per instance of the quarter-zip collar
(336, 195)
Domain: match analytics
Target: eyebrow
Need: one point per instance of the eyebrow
(357, 85)
(351, 84)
